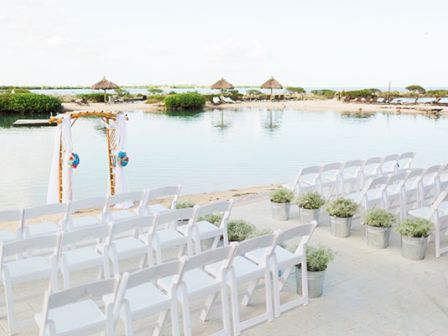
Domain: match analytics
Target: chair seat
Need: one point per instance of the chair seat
(207, 229)
(283, 255)
(28, 268)
(128, 245)
(195, 280)
(85, 221)
(424, 211)
(7, 236)
(241, 265)
(76, 316)
(40, 229)
(170, 237)
(83, 256)
(145, 296)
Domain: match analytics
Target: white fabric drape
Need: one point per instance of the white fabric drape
(120, 175)
(53, 185)
(67, 170)
(64, 138)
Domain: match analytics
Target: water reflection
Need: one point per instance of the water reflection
(272, 119)
(221, 119)
(184, 114)
(357, 115)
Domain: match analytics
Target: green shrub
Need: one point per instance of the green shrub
(437, 93)
(254, 92)
(96, 97)
(155, 91)
(329, 94)
(184, 204)
(416, 89)
(295, 89)
(282, 196)
(240, 230)
(342, 208)
(155, 98)
(184, 101)
(310, 200)
(379, 218)
(365, 93)
(414, 227)
(212, 218)
(318, 258)
(29, 103)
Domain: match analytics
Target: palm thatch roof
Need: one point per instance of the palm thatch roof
(271, 84)
(104, 84)
(222, 84)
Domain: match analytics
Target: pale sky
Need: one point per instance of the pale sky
(300, 42)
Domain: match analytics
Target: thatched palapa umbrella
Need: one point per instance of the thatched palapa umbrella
(105, 84)
(222, 85)
(271, 84)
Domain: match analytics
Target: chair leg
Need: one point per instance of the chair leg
(250, 292)
(208, 306)
(127, 320)
(9, 301)
(186, 313)
(276, 290)
(235, 306)
(268, 295)
(175, 319)
(304, 276)
(160, 322)
(225, 309)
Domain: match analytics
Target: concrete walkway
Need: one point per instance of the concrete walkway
(367, 291)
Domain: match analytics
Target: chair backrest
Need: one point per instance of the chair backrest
(373, 165)
(332, 167)
(153, 273)
(133, 197)
(405, 160)
(86, 204)
(308, 173)
(130, 227)
(436, 204)
(303, 231)
(69, 296)
(44, 210)
(163, 192)
(255, 243)
(171, 218)
(15, 215)
(28, 247)
(210, 256)
(98, 233)
(374, 161)
(399, 178)
(390, 163)
(379, 182)
(218, 207)
(354, 164)
(431, 174)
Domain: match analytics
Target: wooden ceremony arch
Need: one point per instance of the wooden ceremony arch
(111, 135)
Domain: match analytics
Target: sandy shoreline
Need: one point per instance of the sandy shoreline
(305, 105)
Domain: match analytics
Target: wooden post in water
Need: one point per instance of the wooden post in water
(110, 133)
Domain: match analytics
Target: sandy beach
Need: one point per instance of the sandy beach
(307, 105)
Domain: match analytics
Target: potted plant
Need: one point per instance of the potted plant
(281, 203)
(309, 206)
(317, 260)
(414, 237)
(378, 223)
(341, 211)
(239, 230)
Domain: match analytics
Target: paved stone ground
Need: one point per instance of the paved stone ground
(367, 291)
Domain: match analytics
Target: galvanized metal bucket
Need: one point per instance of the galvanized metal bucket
(309, 215)
(315, 283)
(377, 237)
(340, 227)
(414, 248)
(280, 211)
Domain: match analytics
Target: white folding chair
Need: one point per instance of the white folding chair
(405, 161)
(411, 190)
(429, 186)
(166, 234)
(285, 261)
(307, 180)
(373, 193)
(372, 168)
(42, 224)
(126, 242)
(390, 164)
(79, 213)
(244, 271)
(443, 177)
(7, 216)
(123, 206)
(329, 179)
(200, 229)
(351, 176)
(83, 249)
(394, 193)
(438, 214)
(196, 283)
(143, 298)
(26, 261)
(75, 311)
(153, 195)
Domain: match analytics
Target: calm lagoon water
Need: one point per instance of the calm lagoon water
(213, 150)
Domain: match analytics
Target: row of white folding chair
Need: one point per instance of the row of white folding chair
(160, 288)
(437, 213)
(52, 218)
(335, 178)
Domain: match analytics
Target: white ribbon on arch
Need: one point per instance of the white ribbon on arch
(120, 175)
(64, 139)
